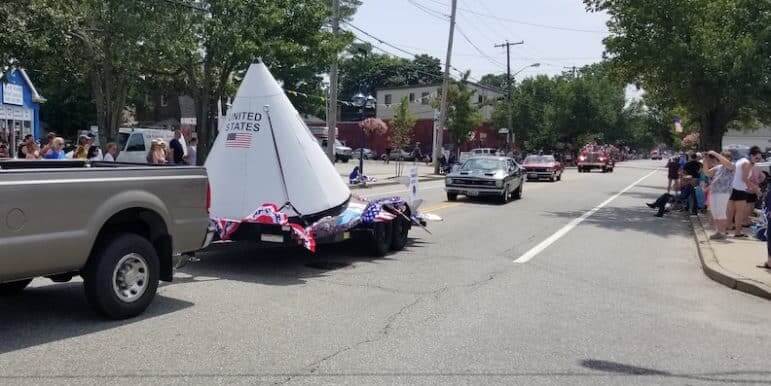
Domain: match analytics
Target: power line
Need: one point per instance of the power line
(391, 45)
(429, 11)
(479, 50)
(514, 21)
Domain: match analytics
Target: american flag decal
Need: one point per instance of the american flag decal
(239, 140)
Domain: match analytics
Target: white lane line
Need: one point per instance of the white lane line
(533, 252)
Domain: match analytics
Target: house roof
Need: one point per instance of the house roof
(36, 97)
(409, 86)
(482, 86)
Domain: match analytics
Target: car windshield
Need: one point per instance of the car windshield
(122, 139)
(485, 164)
(539, 159)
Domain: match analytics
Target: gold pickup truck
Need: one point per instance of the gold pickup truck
(121, 227)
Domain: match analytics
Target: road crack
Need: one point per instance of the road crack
(389, 328)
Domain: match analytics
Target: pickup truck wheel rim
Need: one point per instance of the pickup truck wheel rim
(129, 280)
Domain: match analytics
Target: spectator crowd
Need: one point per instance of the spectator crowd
(729, 190)
(52, 147)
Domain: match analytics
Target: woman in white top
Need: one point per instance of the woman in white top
(742, 190)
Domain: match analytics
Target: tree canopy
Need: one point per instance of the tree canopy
(201, 48)
(711, 57)
(109, 44)
(564, 110)
(364, 70)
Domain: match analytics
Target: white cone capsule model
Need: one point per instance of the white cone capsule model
(265, 154)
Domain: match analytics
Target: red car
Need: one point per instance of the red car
(543, 166)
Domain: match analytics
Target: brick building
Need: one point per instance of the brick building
(420, 105)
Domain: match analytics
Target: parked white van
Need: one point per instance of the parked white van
(134, 143)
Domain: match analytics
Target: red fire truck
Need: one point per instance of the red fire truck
(595, 157)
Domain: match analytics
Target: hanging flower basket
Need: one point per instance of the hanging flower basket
(691, 141)
(373, 126)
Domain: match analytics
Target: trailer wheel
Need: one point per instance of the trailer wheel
(401, 230)
(13, 288)
(382, 233)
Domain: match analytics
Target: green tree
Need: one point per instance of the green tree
(463, 115)
(710, 56)
(402, 125)
(111, 43)
(233, 33)
(362, 69)
(401, 129)
(494, 80)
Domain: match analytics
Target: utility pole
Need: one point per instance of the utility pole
(572, 68)
(510, 123)
(332, 97)
(438, 131)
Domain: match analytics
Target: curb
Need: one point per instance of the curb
(394, 182)
(715, 271)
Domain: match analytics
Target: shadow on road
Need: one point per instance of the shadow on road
(51, 313)
(736, 377)
(280, 266)
(645, 197)
(640, 219)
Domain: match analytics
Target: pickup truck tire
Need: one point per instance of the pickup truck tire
(13, 288)
(122, 276)
(382, 234)
(452, 196)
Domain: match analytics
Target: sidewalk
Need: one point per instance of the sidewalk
(383, 173)
(732, 262)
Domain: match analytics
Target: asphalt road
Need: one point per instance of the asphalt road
(597, 296)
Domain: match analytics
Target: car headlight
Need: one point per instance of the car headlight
(499, 183)
(448, 181)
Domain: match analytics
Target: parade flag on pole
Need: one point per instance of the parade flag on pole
(678, 125)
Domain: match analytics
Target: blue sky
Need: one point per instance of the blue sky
(568, 35)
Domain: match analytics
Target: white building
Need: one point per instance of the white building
(421, 99)
(760, 137)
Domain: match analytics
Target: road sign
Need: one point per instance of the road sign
(13, 94)
(413, 183)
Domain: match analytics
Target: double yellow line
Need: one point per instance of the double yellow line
(439, 207)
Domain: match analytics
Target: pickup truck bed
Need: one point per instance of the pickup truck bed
(120, 226)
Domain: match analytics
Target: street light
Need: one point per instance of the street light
(362, 102)
(526, 67)
(510, 120)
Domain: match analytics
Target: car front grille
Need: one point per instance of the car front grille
(471, 181)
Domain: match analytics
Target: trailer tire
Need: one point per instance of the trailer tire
(382, 234)
(401, 231)
(13, 288)
(121, 278)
